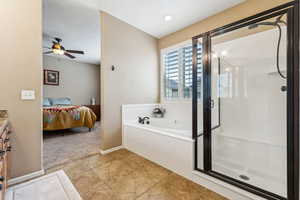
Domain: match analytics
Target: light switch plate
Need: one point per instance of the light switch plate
(27, 95)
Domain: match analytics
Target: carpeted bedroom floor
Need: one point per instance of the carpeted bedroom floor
(66, 145)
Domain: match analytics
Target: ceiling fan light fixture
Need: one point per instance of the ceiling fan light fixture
(58, 51)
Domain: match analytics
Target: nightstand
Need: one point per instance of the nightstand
(96, 110)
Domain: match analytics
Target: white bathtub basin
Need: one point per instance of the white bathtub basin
(172, 128)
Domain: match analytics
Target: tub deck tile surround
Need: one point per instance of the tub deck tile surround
(123, 175)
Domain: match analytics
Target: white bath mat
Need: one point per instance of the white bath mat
(54, 186)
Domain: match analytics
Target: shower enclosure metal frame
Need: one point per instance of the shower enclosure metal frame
(292, 11)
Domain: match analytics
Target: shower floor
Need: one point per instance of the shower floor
(259, 180)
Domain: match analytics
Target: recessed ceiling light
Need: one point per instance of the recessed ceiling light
(168, 18)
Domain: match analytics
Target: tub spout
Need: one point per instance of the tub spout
(142, 120)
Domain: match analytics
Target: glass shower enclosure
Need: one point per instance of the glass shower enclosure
(246, 109)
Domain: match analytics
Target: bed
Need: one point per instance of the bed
(59, 115)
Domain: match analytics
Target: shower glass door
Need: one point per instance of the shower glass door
(246, 114)
(250, 143)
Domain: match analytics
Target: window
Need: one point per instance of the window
(171, 65)
(178, 73)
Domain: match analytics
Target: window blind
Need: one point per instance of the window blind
(178, 73)
(171, 64)
(188, 71)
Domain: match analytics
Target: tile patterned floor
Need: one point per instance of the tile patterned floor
(66, 145)
(123, 175)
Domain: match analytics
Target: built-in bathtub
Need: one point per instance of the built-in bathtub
(172, 128)
(169, 143)
(158, 142)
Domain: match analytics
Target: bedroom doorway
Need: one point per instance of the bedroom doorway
(71, 86)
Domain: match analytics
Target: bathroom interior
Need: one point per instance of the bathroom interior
(199, 101)
(237, 125)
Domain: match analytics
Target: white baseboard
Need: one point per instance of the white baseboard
(103, 152)
(26, 177)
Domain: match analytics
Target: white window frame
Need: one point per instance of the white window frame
(180, 97)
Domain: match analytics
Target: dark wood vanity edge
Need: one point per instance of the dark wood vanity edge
(5, 148)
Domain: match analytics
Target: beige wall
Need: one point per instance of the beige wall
(246, 9)
(21, 68)
(135, 80)
(78, 81)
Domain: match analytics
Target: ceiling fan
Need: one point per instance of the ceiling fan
(58, 49)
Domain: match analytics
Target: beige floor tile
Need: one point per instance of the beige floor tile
(97, 160)
(120, 154)
(136, 161)
(123, 175)
(113, 170)
(85, 183)
(176, 187)
(160, 191)
(131, 176)
(153, 170)
(129, 187)
(75, 169)
(99, 191)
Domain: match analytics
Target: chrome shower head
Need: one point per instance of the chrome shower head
(276, 23)
(252, 26)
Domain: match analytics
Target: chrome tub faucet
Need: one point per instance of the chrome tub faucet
(143, 120)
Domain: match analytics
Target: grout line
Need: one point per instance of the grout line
(133, 170)
(155, 184)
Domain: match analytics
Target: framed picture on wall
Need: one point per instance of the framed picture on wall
(51, 77)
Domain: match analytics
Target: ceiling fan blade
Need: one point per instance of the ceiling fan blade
(75, 51)
(69, 55)
(48, 52)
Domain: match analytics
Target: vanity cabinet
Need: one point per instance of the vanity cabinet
(5, 148)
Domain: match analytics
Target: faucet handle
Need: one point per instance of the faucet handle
(140, 119)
